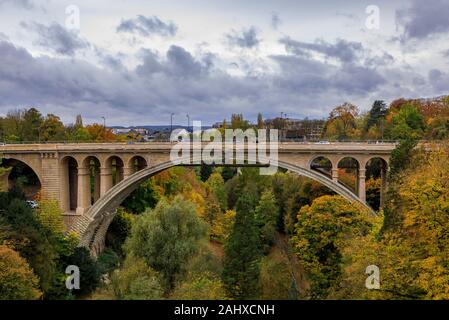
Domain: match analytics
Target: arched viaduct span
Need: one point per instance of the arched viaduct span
(89, 180)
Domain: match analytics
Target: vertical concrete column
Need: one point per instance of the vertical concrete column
(335, 174)
(64, 187)
(361, 184)
(83, 190)
(105, 180)
(120, 174)
(50, 183)
(97, 184)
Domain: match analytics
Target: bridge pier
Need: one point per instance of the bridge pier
(83, 190)
(105, 180)
(362, 184)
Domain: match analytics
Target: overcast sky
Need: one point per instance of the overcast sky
(135, 62)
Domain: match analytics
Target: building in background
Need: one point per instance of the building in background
(297, 129)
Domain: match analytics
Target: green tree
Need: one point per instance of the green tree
(78, 134)
(237, 122)
(136, 281)
(276, 276)
(89, 272)
(144, 197)
(32, 121)
(166, 237)
(216, 183)
(52, 129)
(401, 156)
(34, 242)
(266, 217)
(50, 215)
(408, 123)
(204, 286)
(322, 231)
(242, 254)
(119, 230)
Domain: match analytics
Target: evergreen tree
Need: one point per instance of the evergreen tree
(205, 172)
(228, 172)
(266, 216)
(376, 114)
(241, 260)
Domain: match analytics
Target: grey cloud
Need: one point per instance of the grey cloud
(439, 80)
(383, 60)
(27, 4)
(311, 76)
(178, 63)
(177, 81)
(419, 81)
(3, 36)
(246, 38)
(147, 26)
(423, 19)
(358, 80)
(150, 63)
(56, 38)
(182, 63)
(345, 51)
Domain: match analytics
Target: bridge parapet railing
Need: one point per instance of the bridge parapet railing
(282, 141)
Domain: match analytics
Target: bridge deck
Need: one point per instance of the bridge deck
(287, 147)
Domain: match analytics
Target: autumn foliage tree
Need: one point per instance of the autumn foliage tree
(99, 133)
(341, 123)
(322, 231)
(17, 279)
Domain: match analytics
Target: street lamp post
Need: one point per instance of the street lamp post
(104, 128)
(171, 126)
(188, 121)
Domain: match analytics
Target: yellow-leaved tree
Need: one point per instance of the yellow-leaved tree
(17, 279)
(412, 251)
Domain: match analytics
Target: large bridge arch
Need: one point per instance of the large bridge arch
(21, 170)
(93, 225)
(33, 163)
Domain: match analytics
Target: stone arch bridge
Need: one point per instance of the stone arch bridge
(67, 172)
